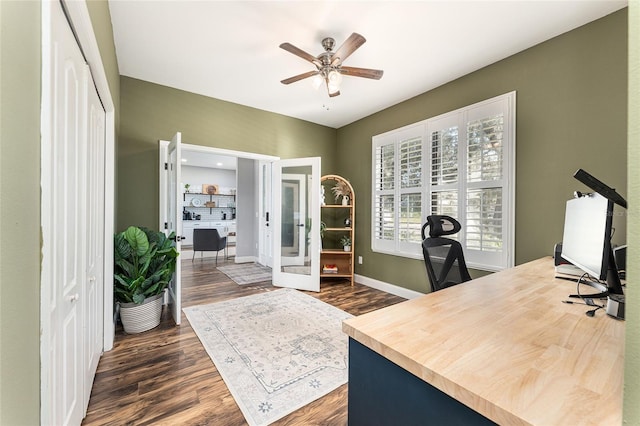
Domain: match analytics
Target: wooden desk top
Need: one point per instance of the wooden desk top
(506, 346)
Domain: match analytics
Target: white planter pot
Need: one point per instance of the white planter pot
(138, 318)
(347, 248)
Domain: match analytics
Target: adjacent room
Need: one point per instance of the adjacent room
(370, 212)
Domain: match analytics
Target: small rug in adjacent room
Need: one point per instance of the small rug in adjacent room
(276, 351)
(246, 273)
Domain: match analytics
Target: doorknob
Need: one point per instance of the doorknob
(74, 297)
(300, 224)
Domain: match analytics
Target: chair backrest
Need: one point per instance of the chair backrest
(208, 240)
(443, 257)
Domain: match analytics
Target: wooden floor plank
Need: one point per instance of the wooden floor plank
(165, 377)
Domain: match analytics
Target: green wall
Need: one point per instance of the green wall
(19, 213)
(571, 113)
(20, 89)
(632, 343)
(151, 112)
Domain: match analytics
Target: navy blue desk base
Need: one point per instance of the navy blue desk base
(382, 393)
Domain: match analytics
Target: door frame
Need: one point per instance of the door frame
(174, 223)
(265, 211)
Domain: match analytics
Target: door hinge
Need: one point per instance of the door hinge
(166, 225)
(166, 166)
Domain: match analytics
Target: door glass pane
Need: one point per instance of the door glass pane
(295, 221)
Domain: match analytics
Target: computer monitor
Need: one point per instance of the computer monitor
(586, 240)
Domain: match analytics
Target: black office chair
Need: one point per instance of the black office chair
(208, 240)
(443, 257)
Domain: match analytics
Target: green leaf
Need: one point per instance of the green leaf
(137, 239)
(138, 298)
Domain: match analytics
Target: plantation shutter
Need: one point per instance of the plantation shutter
(398, 193)
(444, 166)
(383, 234)
(410, 217)
(460, 164)
(486, 188)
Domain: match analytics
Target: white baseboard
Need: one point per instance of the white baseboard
(389, 288)
(245, 259)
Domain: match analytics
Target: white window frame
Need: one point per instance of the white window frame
(477, 259)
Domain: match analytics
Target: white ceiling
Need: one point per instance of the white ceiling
(229, 49)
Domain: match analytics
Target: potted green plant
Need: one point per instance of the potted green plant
(144, 263)
(345, 241)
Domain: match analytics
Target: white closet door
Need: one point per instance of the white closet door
(72, 216)
(68, 197)
(94, 237)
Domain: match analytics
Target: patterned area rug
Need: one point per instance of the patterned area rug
(246, 273)
(276, 351)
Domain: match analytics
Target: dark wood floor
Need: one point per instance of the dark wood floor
(165, 377)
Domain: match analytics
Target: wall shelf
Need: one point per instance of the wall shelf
(332, 256)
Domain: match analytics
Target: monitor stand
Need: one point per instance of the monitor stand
(614, 286)
(603, 291)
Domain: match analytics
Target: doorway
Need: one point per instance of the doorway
(248, 205)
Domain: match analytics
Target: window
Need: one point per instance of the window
(460, 164)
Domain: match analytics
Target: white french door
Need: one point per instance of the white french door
(295, 223)
(174, 221)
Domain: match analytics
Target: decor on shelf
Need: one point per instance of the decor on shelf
(330, 269)
(211, 189)
(144, 263)
(342, 189)
(347, 222)
(186, 188)
(346, 243)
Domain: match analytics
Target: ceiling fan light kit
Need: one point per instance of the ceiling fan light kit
(329, 68)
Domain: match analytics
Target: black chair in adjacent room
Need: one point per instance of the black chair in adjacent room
(443, 257)
(208, 240)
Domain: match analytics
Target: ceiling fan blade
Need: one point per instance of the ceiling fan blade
(354, 41)
(299, 77)
(361, 72)
(301, 53)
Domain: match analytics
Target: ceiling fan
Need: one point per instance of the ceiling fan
(329, 66)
